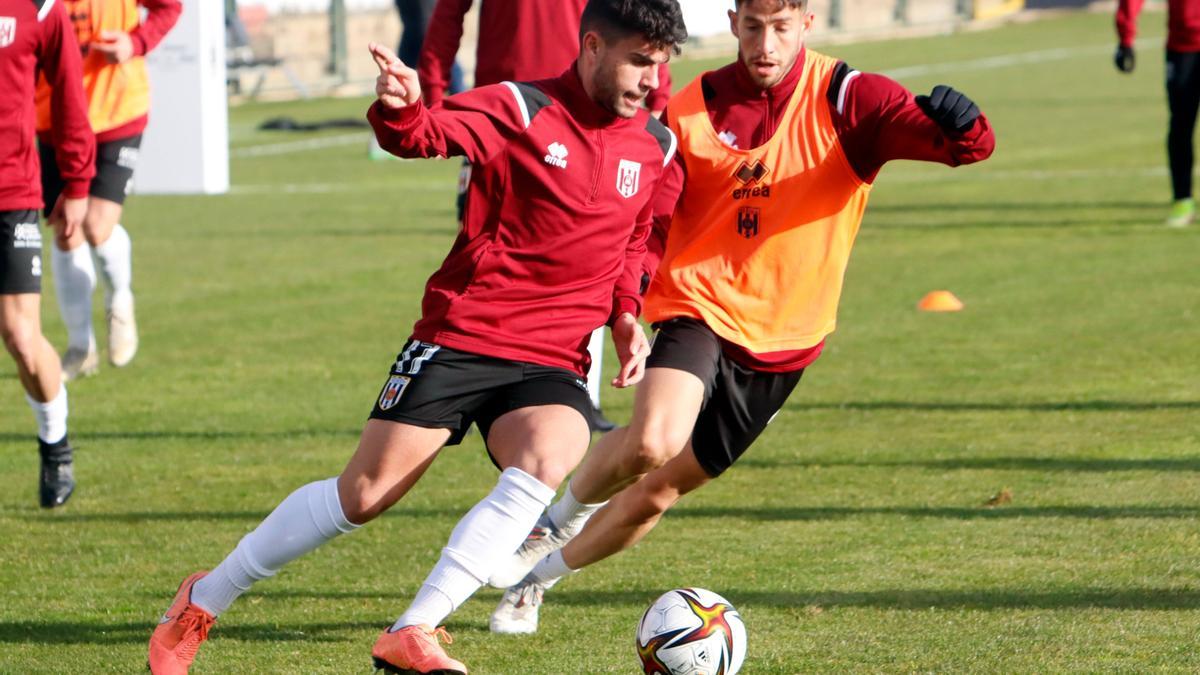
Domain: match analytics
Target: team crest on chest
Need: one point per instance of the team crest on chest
(392, 391)
(8, 30)
(627, 178)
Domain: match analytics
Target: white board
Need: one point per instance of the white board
(185, 149)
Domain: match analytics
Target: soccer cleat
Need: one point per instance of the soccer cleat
(517, 613)
(541, 541)
(56, 482)
(415, 650)
(122, 334)
(78, 363)
(1183, 212)
(179, 633)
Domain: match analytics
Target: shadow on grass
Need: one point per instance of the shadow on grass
(819, 513)
(135, 517)
(82, 632)
(1080, 464)
(1134, 599)
(987, 599)
(773, 513)
(205, 435)
(1099, 405)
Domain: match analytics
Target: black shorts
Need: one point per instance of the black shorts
(441, 388)
(739, 402)
(115, 162)
(21, 257)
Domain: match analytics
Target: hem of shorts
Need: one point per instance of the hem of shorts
(416, 422)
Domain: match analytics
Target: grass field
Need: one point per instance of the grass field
(853, 537)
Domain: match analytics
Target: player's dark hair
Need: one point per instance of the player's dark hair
(780, 4)
(659, 21)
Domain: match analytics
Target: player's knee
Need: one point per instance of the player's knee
(650, 449)
(21, 340)
(550, 471)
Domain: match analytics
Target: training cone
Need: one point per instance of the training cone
(940, 301)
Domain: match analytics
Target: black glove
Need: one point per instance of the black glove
(951, 109)
(1124, 59)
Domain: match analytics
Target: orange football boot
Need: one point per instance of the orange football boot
(179, 633)
(414, 650)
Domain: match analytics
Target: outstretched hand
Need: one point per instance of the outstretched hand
(397, 85)
(632, 350)
(951, 109)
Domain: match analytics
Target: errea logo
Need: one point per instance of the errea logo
(8, 30)
(556, 155)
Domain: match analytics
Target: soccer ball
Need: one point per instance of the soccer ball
(691, 631)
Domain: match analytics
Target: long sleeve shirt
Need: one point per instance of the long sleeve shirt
(518, 41)
(36, 36)
(555, 225)
(877, 121)
(1183, 24)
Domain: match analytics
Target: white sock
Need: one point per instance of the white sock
(492, 530)
(115, 259)
(308, 518)
(595, 372)
(551, 568)
(569, 515)
(51, 416)
(74, 282)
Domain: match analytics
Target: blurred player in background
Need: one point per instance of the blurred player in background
(1183, 91)
(519, 42)
(778, 152)
(415, 16)
(558, 212)
(36, 37)
(113, 40)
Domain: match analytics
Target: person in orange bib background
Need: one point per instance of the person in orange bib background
(113, 40)
(777, 154)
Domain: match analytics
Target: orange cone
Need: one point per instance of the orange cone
(939, 301)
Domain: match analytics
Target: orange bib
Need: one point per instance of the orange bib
(759, 241)
(117, 94)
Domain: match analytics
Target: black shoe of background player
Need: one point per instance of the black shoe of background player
(598, 422)
(57, 480)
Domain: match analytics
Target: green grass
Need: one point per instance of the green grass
(852, 536)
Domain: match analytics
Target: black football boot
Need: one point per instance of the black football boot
(57, 480)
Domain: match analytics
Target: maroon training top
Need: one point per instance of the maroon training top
(557, 215)
(1183, 24)
(36, 35)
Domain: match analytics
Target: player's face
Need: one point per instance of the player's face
(770, 34)
(622, 73)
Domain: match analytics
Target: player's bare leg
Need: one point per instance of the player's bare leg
(536, 447)
(114, 260)
(390, 458)
(632, 513)
(623, 522)
(665, 408)
(39, 373)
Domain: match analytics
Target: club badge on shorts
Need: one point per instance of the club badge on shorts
(627, 178)
(392, 391)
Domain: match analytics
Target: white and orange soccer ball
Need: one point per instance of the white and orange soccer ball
(691, 631)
